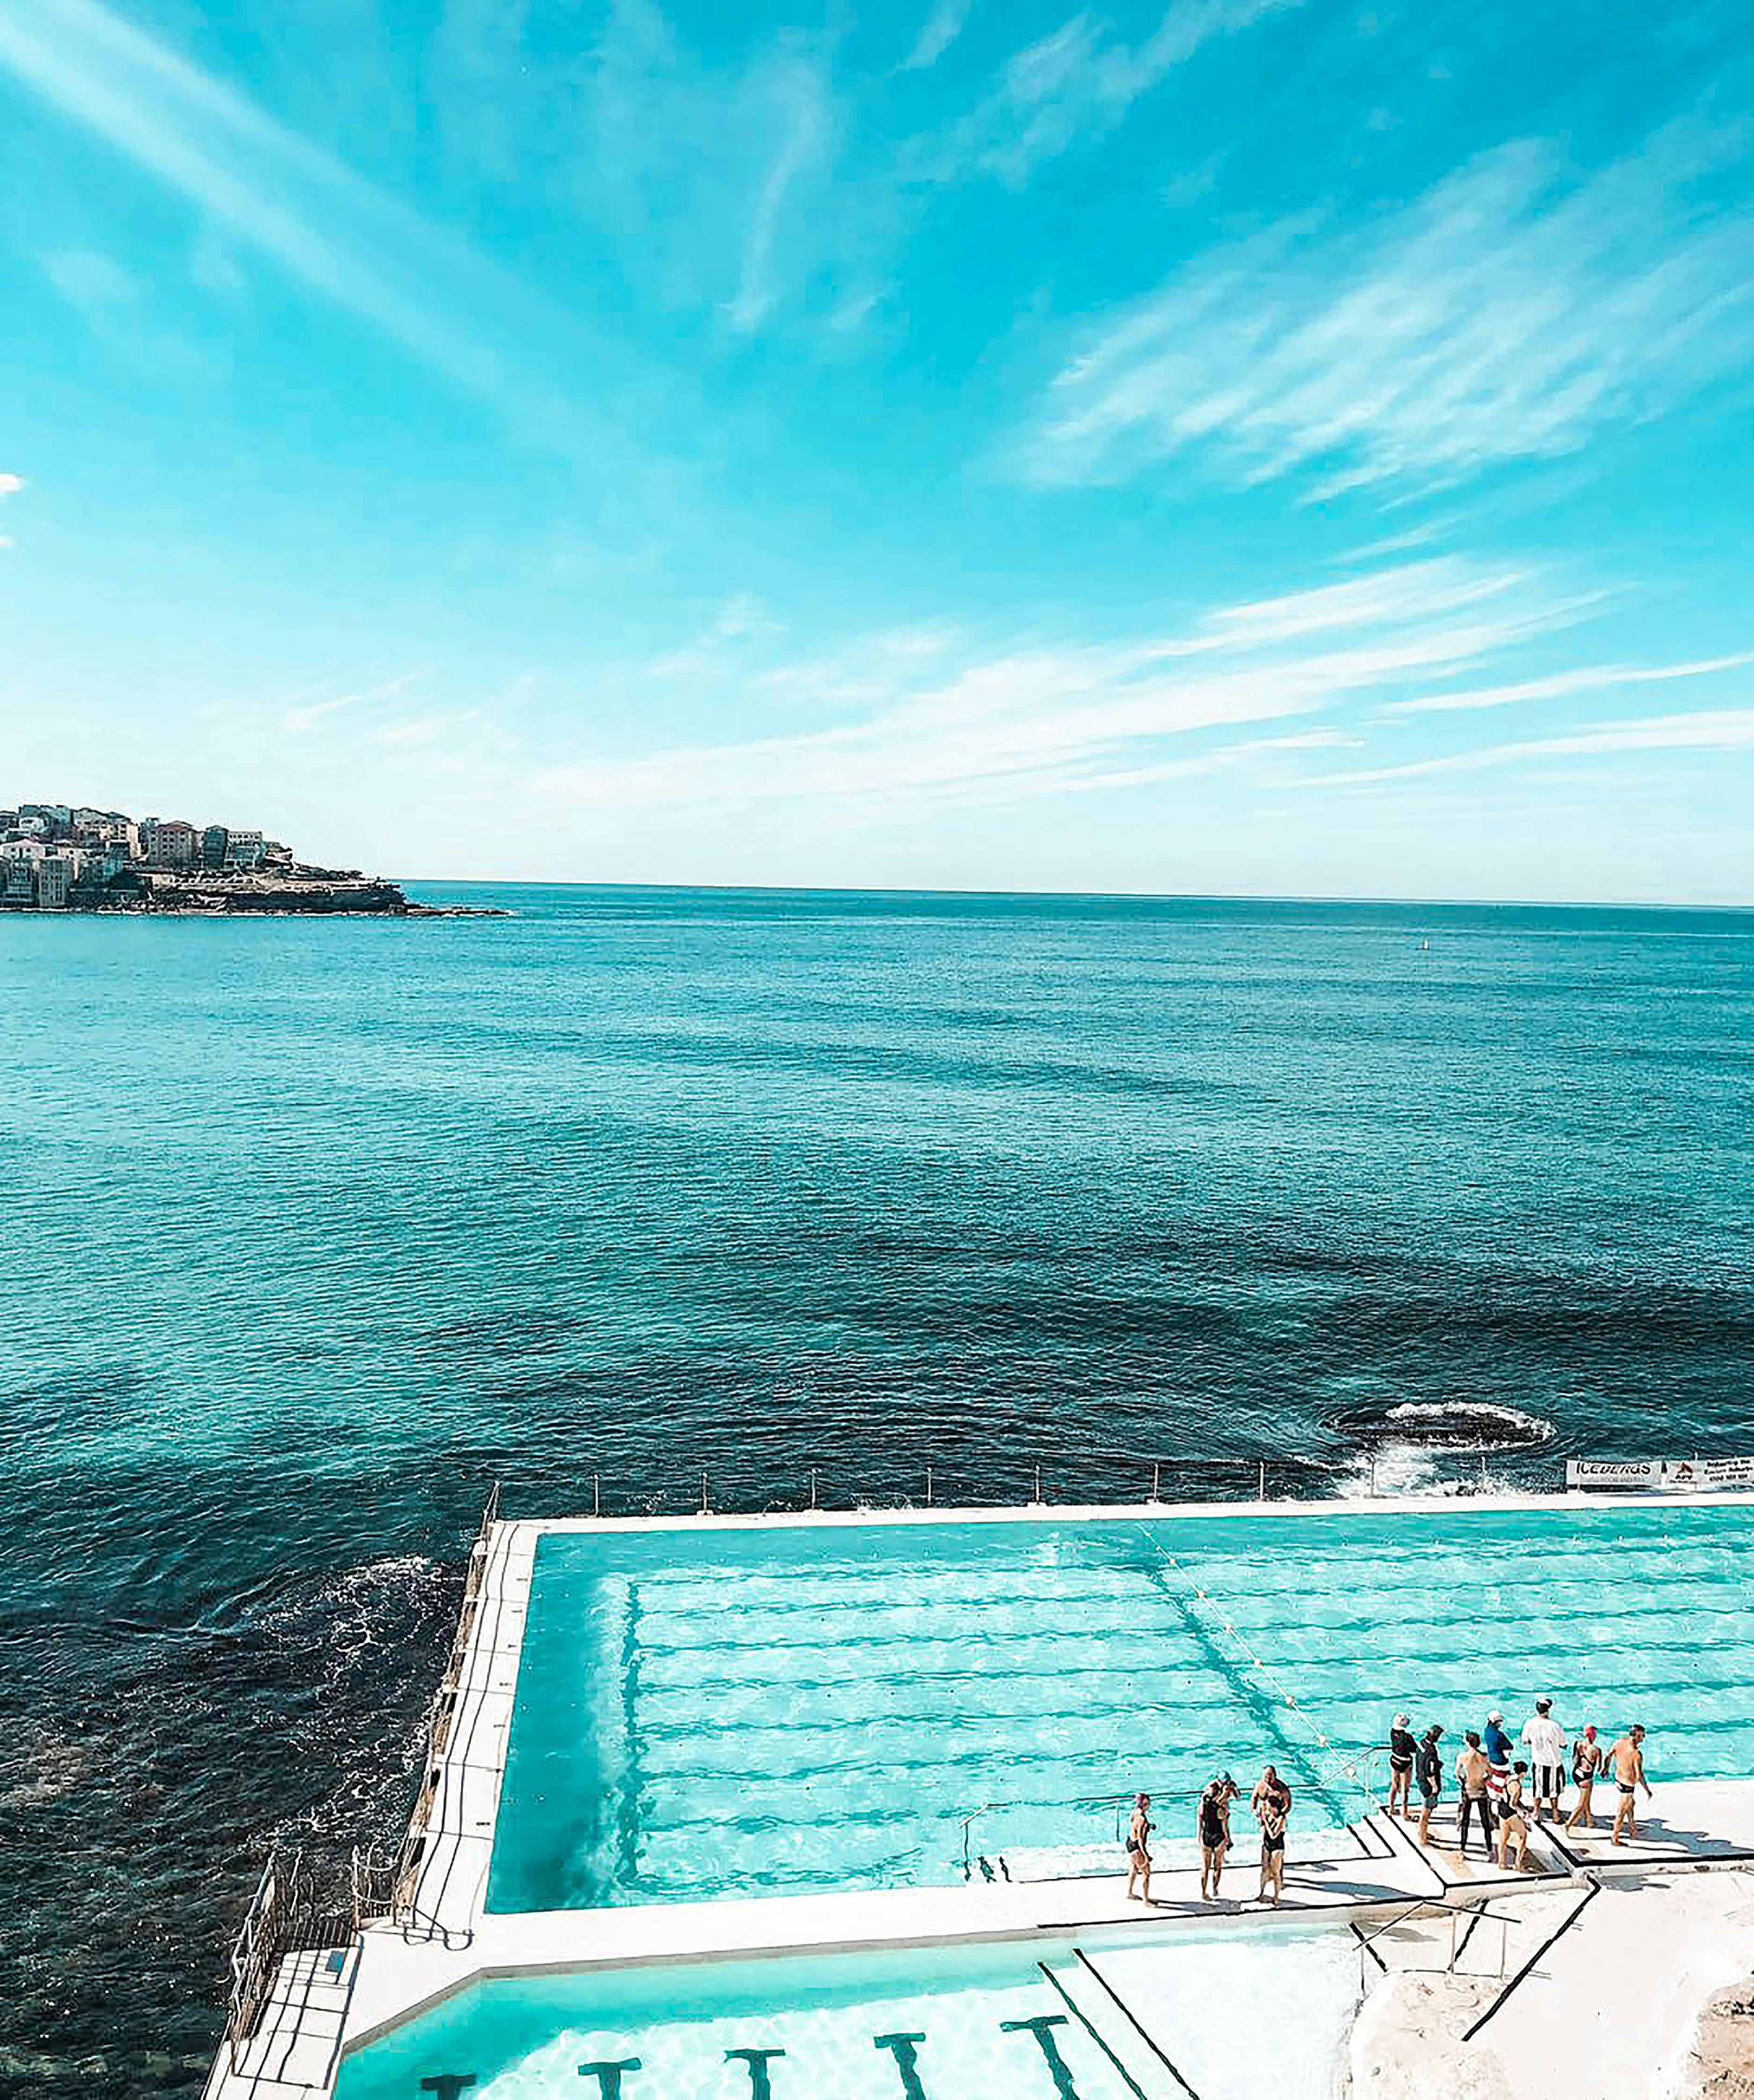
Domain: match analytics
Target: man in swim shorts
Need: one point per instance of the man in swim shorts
(1402, 1751)
(1628, 1759)
(1546, 1742)
(1473, 1772)
(1139, 1845)
(1587, 1759)
(1428, 1765)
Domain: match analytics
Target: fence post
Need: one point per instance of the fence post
(813, 1486)
(1038, 1479)
(1261, 1491)
(928, 1487)
(704, 1511)
(1483, 1472)
(596, 1494)
(1157, 1480)
(1373, 1473)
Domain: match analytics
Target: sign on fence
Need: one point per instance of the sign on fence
(1660, 1476)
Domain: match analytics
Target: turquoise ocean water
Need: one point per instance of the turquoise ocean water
(313, 1228)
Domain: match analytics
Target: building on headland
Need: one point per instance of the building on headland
(59, 857)
(170, 843)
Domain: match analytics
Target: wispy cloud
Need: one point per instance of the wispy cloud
(299, 721)
(741, 619)
(1073, 87)
(1719, 729)
(1560, 684)
(1511, 314)
(1028, 722)
(937, 33)
(11, 483)
(422, 730)
(283, 197)
(802, 111)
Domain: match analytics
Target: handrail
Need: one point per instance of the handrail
(285, 1914)
(1564, 1926)
(1122, 1480)
(404, 1871)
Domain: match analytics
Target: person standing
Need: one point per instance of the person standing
(1427, 1766)
(1213, 1822)
(1402, 1751)
(1138, 1848)
(1546, 1746)
(1271, 1802)
(1474, 1774)
(1513, 1819)
(1588, 1758)
(1628, 1759)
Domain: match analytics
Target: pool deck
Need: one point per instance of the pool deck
(323, 2004)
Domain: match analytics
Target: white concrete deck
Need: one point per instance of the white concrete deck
(318, 2013)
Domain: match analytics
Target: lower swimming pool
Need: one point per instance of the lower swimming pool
(1263, 2020)
(734, 1712)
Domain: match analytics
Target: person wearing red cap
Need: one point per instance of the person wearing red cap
(1588, 1758)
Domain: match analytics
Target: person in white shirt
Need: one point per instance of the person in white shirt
(1547, 1752)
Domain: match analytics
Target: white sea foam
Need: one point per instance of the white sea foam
(1394, 1469)
(1465, 1414)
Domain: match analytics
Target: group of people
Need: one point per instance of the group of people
(1270, 1804)
(1502, 1792)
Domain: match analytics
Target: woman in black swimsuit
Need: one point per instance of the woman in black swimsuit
(1214, 1833)
(1138, 1842)
(1402, 1751)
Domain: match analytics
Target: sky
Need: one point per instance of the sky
(1240, 447)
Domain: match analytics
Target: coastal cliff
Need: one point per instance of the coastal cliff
(320, 891)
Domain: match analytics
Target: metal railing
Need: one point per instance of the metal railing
(1476, 1915)
(1126, 1479)
(383, 1888)
(287, 1913)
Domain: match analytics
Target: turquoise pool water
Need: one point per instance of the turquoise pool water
(958, 2023)
(731, 1713)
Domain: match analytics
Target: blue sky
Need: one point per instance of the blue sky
(1241, 446)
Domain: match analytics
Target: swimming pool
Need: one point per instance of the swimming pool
(1054, 2022)
(736, 1712)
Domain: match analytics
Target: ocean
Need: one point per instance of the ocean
(315, 1228)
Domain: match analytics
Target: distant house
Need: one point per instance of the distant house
(55, 878)
(245, 850)
(170, 843)
(214, 841)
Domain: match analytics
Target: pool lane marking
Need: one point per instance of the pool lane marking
(1091, 2029)
(1132, 2018)
(1320, 1786)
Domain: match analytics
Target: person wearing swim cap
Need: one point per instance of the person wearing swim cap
(1403, 1750)
(1588, 1758)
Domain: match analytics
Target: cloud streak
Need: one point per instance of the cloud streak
(1513, 313)
(338, 235)
(1561, 684)
(1719, 729)
(301, 721)
(1073, 88)
(1031, 722)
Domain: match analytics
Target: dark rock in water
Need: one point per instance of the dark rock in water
(1472, 1425)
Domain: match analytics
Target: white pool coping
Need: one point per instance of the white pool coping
(395, 1971)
